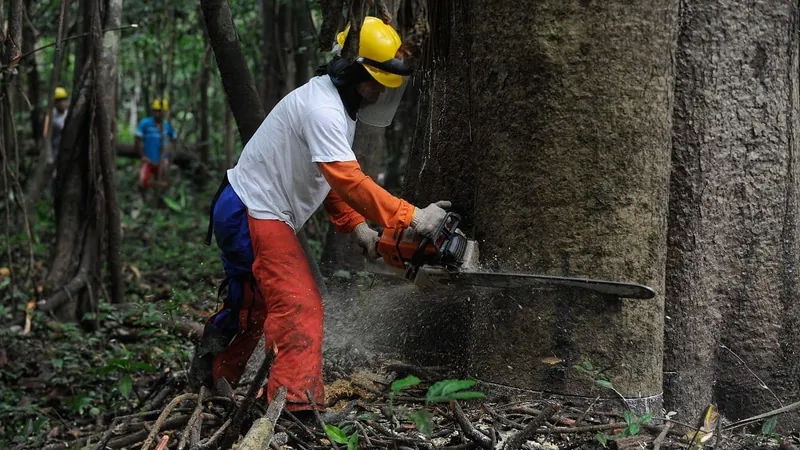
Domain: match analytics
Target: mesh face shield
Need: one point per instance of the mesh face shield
(381, 113)
(394, 75)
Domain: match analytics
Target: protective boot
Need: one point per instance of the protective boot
(215, 340)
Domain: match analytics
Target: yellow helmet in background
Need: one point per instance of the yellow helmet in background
(60, 93)
(160, 105)
(377, 51)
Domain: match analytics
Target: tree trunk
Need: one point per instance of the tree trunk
(204, 145)
(74, 265)
(86, 201)
(732, 264)
(236, 78)
(34, 83)
(106, 51)
(43, 168)
(228, 143)
(549, 127)
(270, 72)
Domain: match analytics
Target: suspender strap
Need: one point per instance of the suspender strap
(221, 188)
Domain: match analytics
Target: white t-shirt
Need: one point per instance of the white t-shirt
(276, 176)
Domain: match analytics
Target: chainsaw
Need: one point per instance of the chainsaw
(452, 258)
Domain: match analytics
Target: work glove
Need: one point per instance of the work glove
(367, 239)
(427, 220)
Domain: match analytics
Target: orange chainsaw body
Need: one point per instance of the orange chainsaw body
(398, 246)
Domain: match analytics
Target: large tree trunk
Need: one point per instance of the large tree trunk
(549, 126)
(86, 203)
(732, 264)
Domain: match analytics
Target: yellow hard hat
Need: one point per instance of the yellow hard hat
(377, 51)
(159, 105)
(60, 93)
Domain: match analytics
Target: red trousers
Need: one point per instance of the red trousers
(147, 170)
(286, 304)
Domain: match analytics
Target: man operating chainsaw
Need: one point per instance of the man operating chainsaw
(301, 158)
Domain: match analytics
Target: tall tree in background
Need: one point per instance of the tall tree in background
(85, 205)
(549, 127)
(732, 271)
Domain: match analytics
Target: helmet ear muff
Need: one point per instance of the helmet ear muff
(344, 73)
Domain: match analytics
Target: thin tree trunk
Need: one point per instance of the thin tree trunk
(106, 51)
(236, 77)
(271, 71)
(204, 145)
(32, 74)
(44, 166)
(228, 143)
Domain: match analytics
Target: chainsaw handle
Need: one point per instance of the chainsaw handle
(419, 255)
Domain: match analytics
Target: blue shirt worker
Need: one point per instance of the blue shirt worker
(154, 138)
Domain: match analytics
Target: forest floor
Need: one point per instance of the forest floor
(62, 386)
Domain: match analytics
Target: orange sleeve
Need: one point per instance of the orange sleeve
(340, 213)
(365, 196)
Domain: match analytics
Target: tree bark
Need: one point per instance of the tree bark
(205, 137)
(236, 78)
(74, 205)
(44, 168)
(549, 127)
(33, 81)
(106, 51)
(228, 139)
(732, 266)
(270, 90)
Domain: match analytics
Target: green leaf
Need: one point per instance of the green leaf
(405, 383)
(58, 363)
(633, 429)
(605, 383)
(143, 366)
(125, 385)
(436, 389)
(467, 395)
(335, 434)
(628, 417)
(172, 204)
(352, 442)
(457, 385)
(601, 438)
(769, 426)
(423, 420)
(646, 418)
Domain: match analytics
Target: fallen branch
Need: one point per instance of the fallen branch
(661, 436)
(515, 442)
(131, 439)
(470, 431)
(212, 441)
(193, 421)
(163, 417)
(760, 417)
(250, 398)
(631, 443)
(263, 429)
